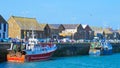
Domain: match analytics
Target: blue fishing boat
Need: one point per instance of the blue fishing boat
(100, 48)
(106, 48)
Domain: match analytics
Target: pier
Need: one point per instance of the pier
(116, 47)
(63, 49)
(71, 49)
(3, 51)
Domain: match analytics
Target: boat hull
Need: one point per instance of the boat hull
(30, 58)
(16, 59)
(96, 52)
(38, 57)
(106, 52)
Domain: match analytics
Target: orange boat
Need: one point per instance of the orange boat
(16, 59)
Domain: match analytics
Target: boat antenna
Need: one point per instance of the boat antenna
(32, 32)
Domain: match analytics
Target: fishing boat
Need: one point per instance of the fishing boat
(95, 49)
(106, 48)
(30, 51)
(100, 48)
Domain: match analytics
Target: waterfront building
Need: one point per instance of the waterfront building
(112, 34)
(98, 31)
(3, 28)
(108, 33)
(53, 30)
(69, 30)
(116, 35)
(80, 33)
(77, 31)
(22, 27)
(42, 26)
(88, 32)
(119, 33)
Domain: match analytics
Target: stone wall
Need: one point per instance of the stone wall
(116, 47)
(3, 51)
(3, 54)
(68, 49)
(63, 49)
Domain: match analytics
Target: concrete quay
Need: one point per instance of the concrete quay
(63, 49)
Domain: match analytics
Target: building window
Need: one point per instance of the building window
(40, 35)
(28, 34)
(0, 35)
(4, 27)
(0, 26)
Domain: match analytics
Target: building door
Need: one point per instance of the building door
(0, 35)
(3, 35)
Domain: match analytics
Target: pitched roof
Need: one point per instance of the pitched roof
(96, 28)
(27, 23)
(118, 31)
(54, 26)
(70, 26)
(101, 30)
(2, 20)
(42, 26)
(84, 26)
(108, 31)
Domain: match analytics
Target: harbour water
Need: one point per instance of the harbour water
(109, 61)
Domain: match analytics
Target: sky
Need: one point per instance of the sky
(103, 13)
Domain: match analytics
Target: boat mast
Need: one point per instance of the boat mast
(33, 34)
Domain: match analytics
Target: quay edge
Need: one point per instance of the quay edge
(63, 49)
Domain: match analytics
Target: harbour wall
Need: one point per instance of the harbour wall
(116, 47)
(3, 51)
(71, 49)
(63, 49)
(68, 49)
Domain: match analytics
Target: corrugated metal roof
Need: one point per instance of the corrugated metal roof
(27, 23)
